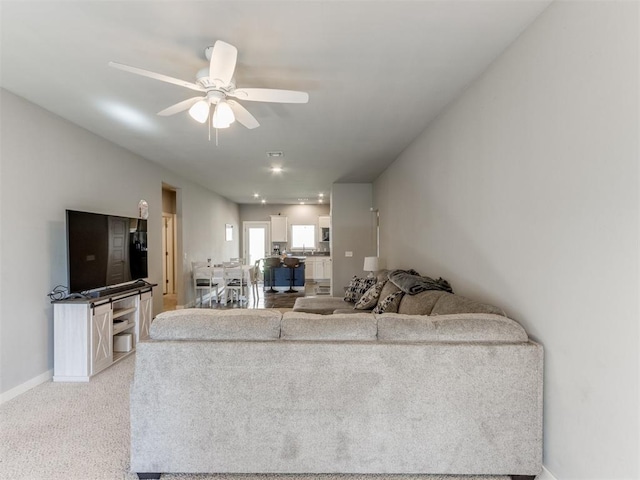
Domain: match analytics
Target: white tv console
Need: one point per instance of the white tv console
(85, 329)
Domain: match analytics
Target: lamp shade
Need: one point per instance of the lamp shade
(200, 111)
(223, 115)
(370, 264)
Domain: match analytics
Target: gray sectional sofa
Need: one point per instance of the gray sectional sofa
(429, 302)
(256, 391)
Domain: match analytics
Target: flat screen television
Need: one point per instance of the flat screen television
(104, 250)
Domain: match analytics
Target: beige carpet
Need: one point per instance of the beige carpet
(71, 431)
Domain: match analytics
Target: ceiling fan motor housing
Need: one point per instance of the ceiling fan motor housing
(214, 96)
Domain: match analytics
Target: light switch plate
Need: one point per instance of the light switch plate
(348, 254)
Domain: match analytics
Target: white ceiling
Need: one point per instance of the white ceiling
(377, 73)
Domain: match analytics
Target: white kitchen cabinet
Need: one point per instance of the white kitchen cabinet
(324, 221)
(324, 230)
(279, 228)
(327, 268)
(310, 268)
(318, 268)
(323, 268)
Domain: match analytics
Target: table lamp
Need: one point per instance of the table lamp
(370, 265)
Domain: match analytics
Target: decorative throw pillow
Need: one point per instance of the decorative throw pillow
(389, 304)
(357, 287)
(370, 297)
(350, 291)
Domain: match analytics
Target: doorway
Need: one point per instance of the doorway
(169, 252)
(169, 249)
(256, 241)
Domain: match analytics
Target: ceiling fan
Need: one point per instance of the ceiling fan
(217, 84)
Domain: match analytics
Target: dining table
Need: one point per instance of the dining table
(217, 275)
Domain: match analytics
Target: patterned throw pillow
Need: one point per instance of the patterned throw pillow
(390, 304)
(370, 297)
(357, 287)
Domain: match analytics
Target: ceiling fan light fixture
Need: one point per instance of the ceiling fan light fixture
(200, 111)
(216, 83)
(223, 115)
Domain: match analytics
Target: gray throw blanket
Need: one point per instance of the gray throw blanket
(410, 281)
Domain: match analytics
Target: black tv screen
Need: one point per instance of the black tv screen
(104, 250)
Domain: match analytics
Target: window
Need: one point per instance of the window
(303, 237)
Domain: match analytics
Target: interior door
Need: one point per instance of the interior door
(169, 253)
(256, 241)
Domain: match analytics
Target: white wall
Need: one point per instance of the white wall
(49, 165)
(353, 229)
(205, 221)
(524, 193)
(296, 214)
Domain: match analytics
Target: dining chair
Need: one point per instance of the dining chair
(203, 282)
(256, 276)
(234, 282)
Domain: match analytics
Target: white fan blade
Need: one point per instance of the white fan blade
(180, 107)
(243, 116)
(270, 95)
(157, 76)
(223, 63)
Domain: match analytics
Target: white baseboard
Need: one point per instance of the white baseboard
(545, 475)
(28, 385)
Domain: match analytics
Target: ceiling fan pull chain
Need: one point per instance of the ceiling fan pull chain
(209, 122)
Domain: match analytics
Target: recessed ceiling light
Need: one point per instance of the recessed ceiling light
(321, 195)
(275, 154)
(320, 201)
(301, 203)
(276, 169)
(263, 200)
(256, 195)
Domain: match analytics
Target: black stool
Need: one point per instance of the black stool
(291, 263)
(271, 263)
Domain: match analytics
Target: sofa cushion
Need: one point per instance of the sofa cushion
(389, 303)
(310, 326)
(463, 328)
(450, 303)
(322, 304)
(202, 324)
(370, 297)
(357, 287)
(421, 303)
(388, 289)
